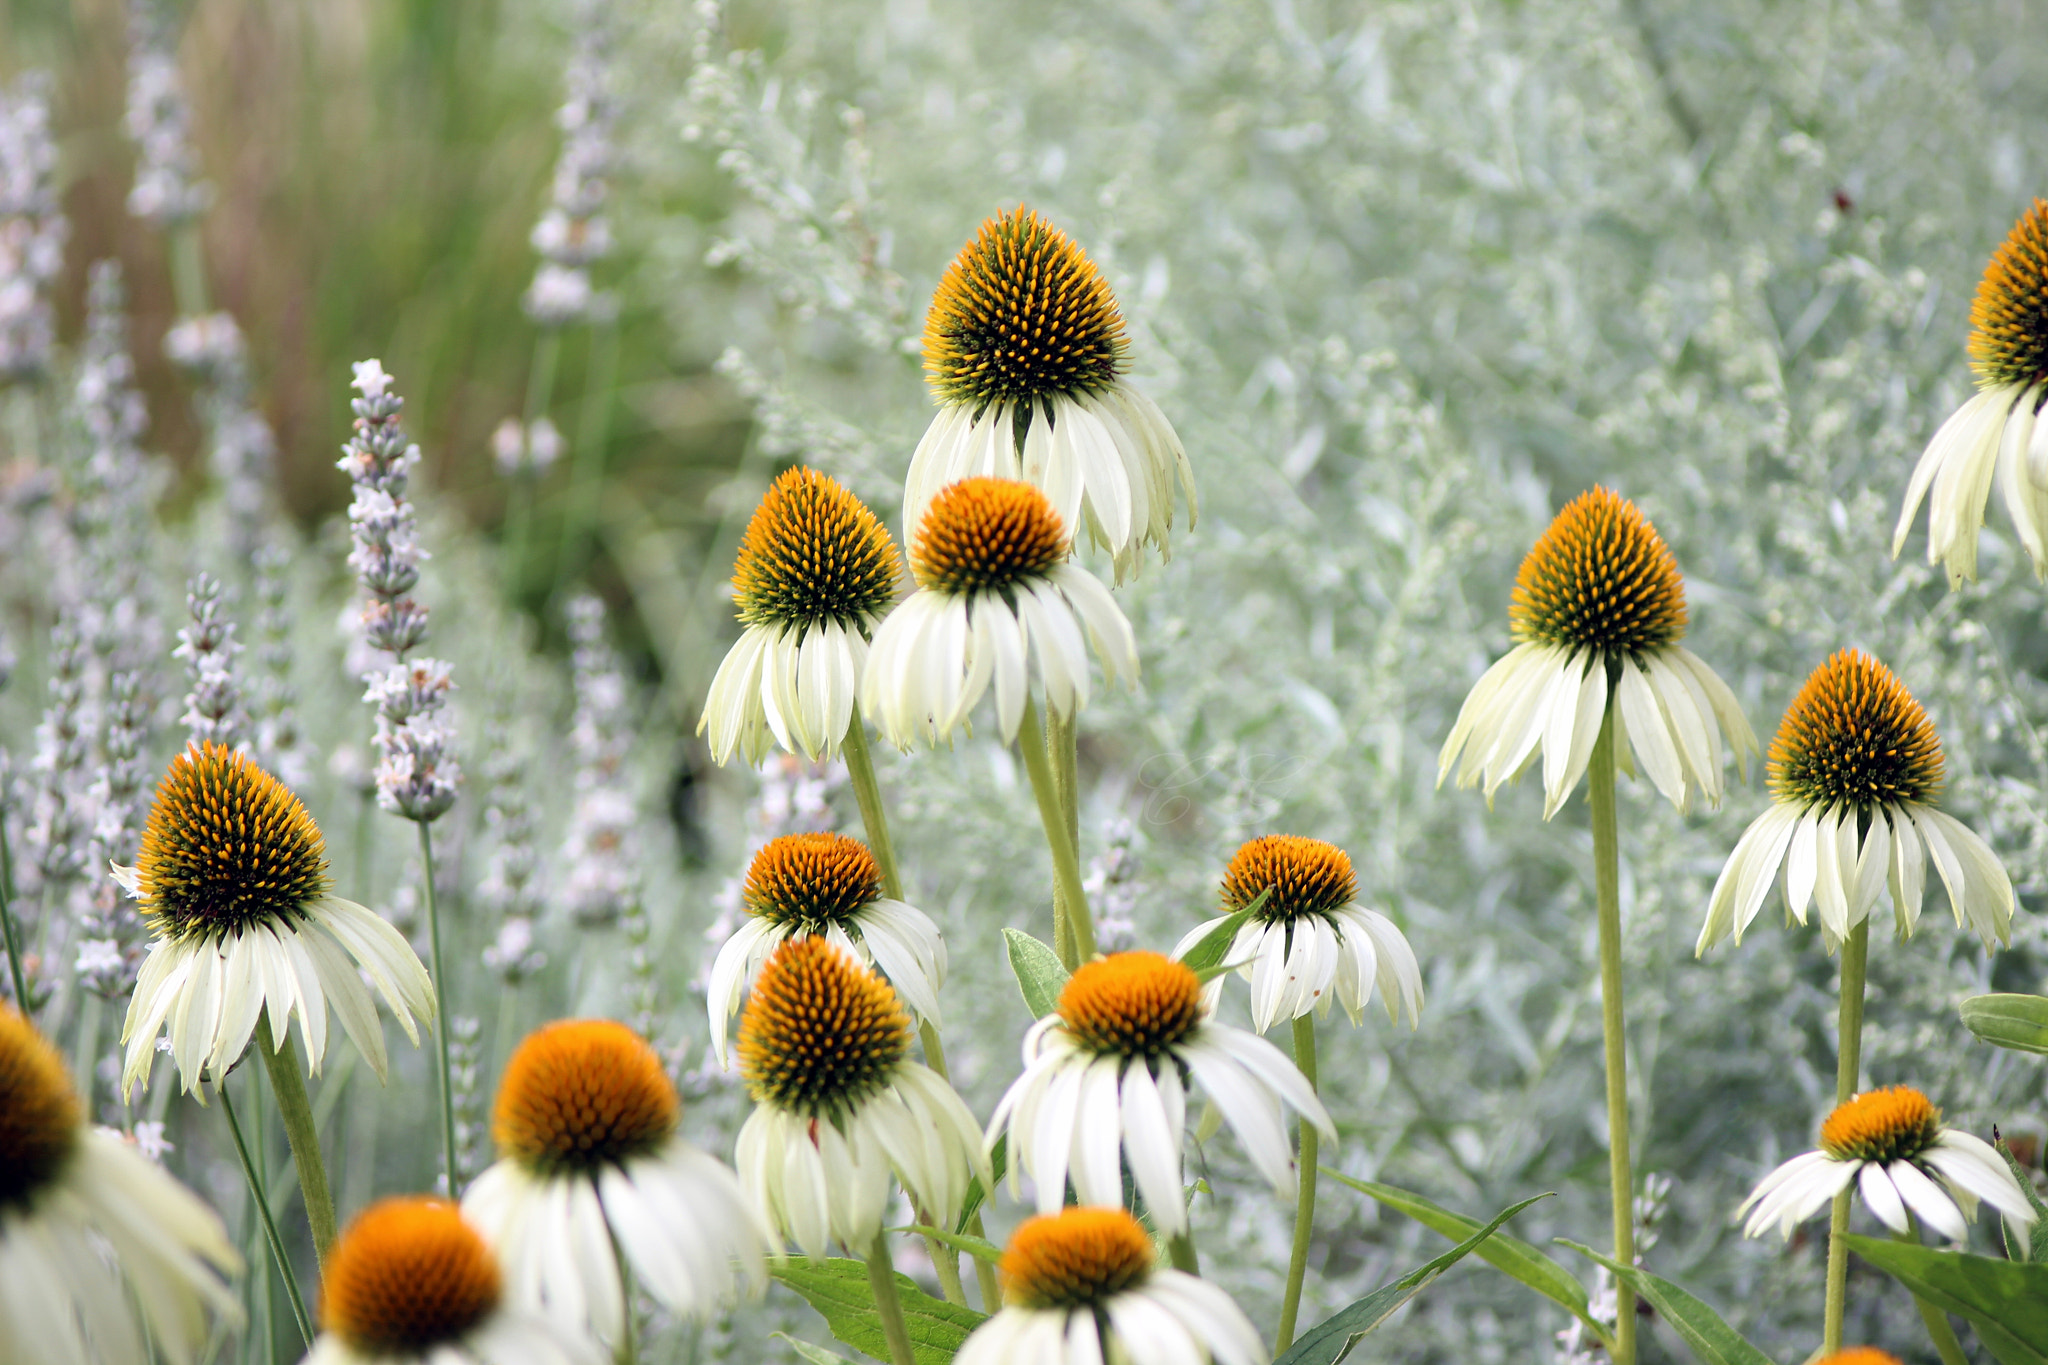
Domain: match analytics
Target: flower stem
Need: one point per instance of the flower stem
(882, 1280)
(1848, 1068)
(1180, 1249)
(1607, 884)
(1077, 945)
(629, 1345)
(867, 791)
(303, 1134)
(600, 374)
(1944, 1336)
(440, 1015)
(7, 925)
(1305, 1201)
(540, 388)
(1060, 745)
(946, 1261)
(262, 1200)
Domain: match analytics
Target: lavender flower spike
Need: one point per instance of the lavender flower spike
(417, 773)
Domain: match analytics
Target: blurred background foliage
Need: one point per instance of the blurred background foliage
(1406, 276)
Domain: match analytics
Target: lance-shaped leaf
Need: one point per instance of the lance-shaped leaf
(2006, 1301)
(1511, 1256)
(2037, 1247)
(1206, 957)
(2019, 1022)
(1330, 1340)
(838, 1288)
(1040, 974)
(1711, 1339)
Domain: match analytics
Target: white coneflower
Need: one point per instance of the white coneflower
(1025, 351)
(1083, 1286)
(1102, 1085)
(825, 1047)
(815, 573)
(1310, 942)
(1598, 606)
(995, 591)
(411, 1283)
(102, 1255)
(829, 886)
(232, 878)
(1998, 435)
(1891, 1145)
(1854, 772)
(590, 1171)
(32, 228)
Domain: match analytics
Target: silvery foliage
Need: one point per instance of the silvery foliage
(32, 227)
(1406, 279)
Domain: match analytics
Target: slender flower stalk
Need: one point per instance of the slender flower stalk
(1613, 1028)
(1306, 1150)
(259, 1195)
(888, 1304)
(1598, 612)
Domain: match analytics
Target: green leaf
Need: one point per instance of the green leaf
(1511, 1256)
(2006, 1301)
(2019, 1022)
(1206, 957)
(2037, 1247)
(980, 1248)
(811, 1351)
(970, 1204)
(838, 1289)
(1330, 1340)
(1711, 1339)
(1040, 974)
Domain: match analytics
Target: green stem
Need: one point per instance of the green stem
(303, 1133)
(540, 389)
(946, 1261)
(262, 1199)
(1078, 944)
(1607, 882)
(629, 1345)
(867, 791)
(1305, 1201)
(882, 1280)
(7, 925)
(1180, 1249)
(1060, 746)
(440, 1015)
(599, 377)
(85, 1045)
(188, 270)
(1848, 1068)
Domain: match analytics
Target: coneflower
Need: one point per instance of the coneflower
(412, 1283)
(100, 1251)
(1998, 435)
(815, 575)
(591, 1173)
(1026, 353)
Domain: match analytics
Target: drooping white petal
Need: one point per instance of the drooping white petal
(1746, 878)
